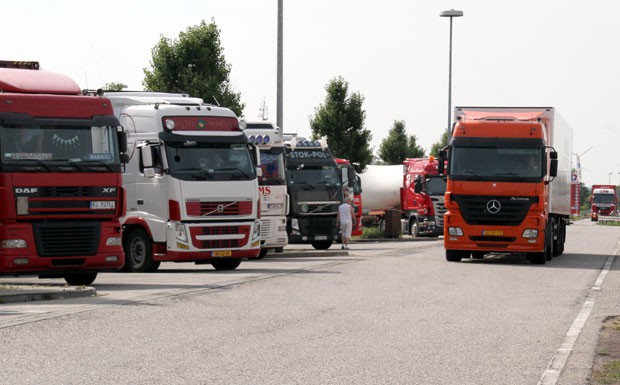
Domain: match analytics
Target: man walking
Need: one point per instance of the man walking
(345, 219)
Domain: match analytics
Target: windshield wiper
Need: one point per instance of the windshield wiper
(245, 174)
(39, 163)
(95, 163)
(195, 171)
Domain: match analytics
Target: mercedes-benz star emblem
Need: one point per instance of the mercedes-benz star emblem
(493, 206)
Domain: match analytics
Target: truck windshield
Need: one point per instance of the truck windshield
(272, 165)
(496, 163)
(59, 145)
(312, 175)
(603, 198)
(435, 185)
(209, 161)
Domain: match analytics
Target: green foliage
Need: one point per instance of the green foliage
(372, 232)
(114, 86)
(443, 141)
(397, 147)
(194, 64)
(341, 120)
(584, 198)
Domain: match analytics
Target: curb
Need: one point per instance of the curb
(28, 293)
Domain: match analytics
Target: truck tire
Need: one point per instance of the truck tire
(226, 264)
(477, 254)
(414, 229)
(139, 252)
(549, 242)
(455, 255)
(262, 254)
(536, 258)
(80, 279)
(321, 245)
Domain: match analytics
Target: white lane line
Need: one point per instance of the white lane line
(558, 361)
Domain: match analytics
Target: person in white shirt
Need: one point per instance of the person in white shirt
(345, 219)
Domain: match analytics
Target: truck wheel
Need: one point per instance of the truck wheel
(537, 258)
(455, 255)
(477, 254)
(139, 252)
(262, 254)
(226, 264)
(321, 245)
(549, 243)
(414, 230)
(80, 279)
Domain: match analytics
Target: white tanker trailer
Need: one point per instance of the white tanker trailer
(381, 188)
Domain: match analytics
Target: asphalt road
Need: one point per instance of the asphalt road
(385, 313)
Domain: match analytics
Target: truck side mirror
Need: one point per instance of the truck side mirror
(441, 160)
(417, 185)
(553, 167)
(122, 141)
(149, 166)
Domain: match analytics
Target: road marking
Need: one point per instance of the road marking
(552, 374)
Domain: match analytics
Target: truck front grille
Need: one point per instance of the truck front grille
(202, 209)
(57, 239)
(220, 239)
(482, 209)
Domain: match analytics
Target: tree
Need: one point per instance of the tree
(439, 145)
(195, 64)
(397, 147)
(341, 120)
(114, 86)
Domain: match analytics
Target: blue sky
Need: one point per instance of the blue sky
(395, 53)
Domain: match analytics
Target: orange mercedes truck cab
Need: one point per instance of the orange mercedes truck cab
(508, 188)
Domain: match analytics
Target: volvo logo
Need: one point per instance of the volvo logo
(493, 206)
(220, 208)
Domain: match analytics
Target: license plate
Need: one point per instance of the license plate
(102, 205)
(320, 238)
(496, 233)
(221, 253)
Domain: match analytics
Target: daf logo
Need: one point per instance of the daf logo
(493, 206)
(26, 190)
(220, 208)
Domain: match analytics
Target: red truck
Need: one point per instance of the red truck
(509, 176)
(352, 185)
(60, 177)
(604, 201)
(415, 188)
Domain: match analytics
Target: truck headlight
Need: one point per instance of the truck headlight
(295, 224)
(114, 241)
(455, 231)
(14, 244)
(530, 233)
(180, 233)
(256, 232)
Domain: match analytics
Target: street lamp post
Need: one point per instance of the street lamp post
(610, 174)
(451, 14)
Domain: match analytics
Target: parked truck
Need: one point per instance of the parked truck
(314, 190)
(415, 189)
(509, 175)
(192, 188)
(604, 201)
(60, 177)
(352, 188)
(272, 184)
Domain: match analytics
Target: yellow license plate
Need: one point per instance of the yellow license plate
(496, 233)
(221, 253)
